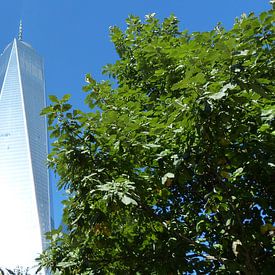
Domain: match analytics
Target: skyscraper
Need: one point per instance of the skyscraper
(24, 185)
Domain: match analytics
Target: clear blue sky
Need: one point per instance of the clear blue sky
(73, 35)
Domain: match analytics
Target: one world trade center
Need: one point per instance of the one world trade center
(24, 184)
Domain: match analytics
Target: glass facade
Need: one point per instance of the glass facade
(24, 185)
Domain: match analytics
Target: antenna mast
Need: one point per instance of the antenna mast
(20, 33)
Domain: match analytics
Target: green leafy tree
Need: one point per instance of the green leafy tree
(174, 171)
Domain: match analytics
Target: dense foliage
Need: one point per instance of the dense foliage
(173, 170)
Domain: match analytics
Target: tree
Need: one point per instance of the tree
(173, 169)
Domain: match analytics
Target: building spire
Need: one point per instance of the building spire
(20, 33)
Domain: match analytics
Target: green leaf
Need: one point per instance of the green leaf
(66, 97)
(53, 98)
(264, 127)
(223, 92)
(238, 172)
(66, 107)
(66, 264)
(127, 200)
(198, 225)
(167, 176)
(228, 222)
(46, 110)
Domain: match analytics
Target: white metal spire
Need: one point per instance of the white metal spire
(20, 33)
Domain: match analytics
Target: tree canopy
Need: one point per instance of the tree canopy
(172, 171)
